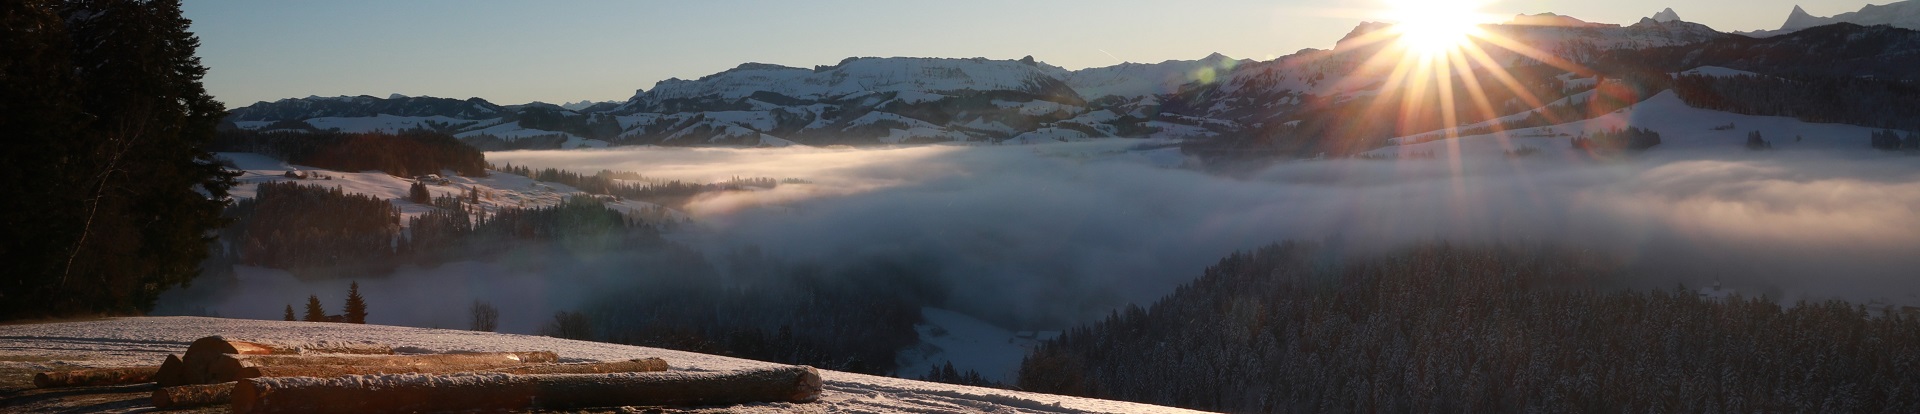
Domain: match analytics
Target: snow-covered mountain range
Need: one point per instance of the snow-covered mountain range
(1903, 14)
(882, 101)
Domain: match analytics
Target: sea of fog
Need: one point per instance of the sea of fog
(1045, 236)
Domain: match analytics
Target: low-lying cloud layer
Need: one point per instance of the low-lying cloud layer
(1041, 237)
(1047, 235)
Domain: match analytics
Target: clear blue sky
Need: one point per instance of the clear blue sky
(512, 52)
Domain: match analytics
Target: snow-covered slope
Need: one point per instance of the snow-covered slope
(497, 190)
(1681, 128)
(146, 341)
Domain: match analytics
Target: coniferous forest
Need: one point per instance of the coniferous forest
(115, 195)
(405, 154)
(1467, 329)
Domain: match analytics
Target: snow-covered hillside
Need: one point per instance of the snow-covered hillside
(497, 190)
(1681, 127)
(145, 341)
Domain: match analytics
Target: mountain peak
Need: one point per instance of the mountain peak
(1215, 57)
(1800, 19)
(1665, 16)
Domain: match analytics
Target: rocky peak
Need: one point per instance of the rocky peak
(1665, 16)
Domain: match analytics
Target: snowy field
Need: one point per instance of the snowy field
(146, 341)
(497, 189)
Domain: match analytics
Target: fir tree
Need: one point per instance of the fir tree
(356, 309)
(418, 193)
(290, 313)
(104, 98)
(315, 313)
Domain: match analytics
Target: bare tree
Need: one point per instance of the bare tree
(569, 325)
(485, 316)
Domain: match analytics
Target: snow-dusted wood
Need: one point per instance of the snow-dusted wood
(493, 391)
(95, 377)
(197, 367)
(221, 345)
(222, 393)
(326, 371)
(223, 368)
(167, 398)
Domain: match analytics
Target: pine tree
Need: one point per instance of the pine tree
(106, 97)
(356, 309)
(290, 313)
(418, 193)
(41, 115)
(315, 313)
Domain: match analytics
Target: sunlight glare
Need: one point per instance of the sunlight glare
(1435, 27)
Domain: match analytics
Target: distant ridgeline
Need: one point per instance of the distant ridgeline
(1298, 105)
(403, 154)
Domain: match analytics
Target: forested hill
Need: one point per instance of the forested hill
(1459, 329)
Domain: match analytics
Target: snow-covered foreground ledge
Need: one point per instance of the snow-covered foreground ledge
(146, 341)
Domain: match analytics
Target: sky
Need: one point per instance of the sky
(513, 52)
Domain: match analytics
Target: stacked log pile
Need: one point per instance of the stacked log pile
(271, 378)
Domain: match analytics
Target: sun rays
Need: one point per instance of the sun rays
(1438, 65)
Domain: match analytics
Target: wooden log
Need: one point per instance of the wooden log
(222, 393)
(223, 368)
(631, 365)
(329, 371)
(197, 365)
(492, 391)
(222, 345)
(185, 396)
(95, 377)
(172, 373)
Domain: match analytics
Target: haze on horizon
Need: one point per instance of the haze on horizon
(513, 52)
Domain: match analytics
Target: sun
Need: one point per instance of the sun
(1435, 27)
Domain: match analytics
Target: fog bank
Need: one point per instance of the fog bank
(1043, 236)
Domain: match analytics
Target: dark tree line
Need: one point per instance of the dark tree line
(667, 193)
(946, 374)
(1889, 140)
(313, 230)
(456, 228)
(1824, 99)
(405, 154)
(112, 193)
(318, 231)
(1454, 329)
(1617, 140)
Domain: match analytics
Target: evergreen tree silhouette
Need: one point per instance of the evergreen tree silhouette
(105, 103)
(290, 313)
(356, 309)
(315, 313)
